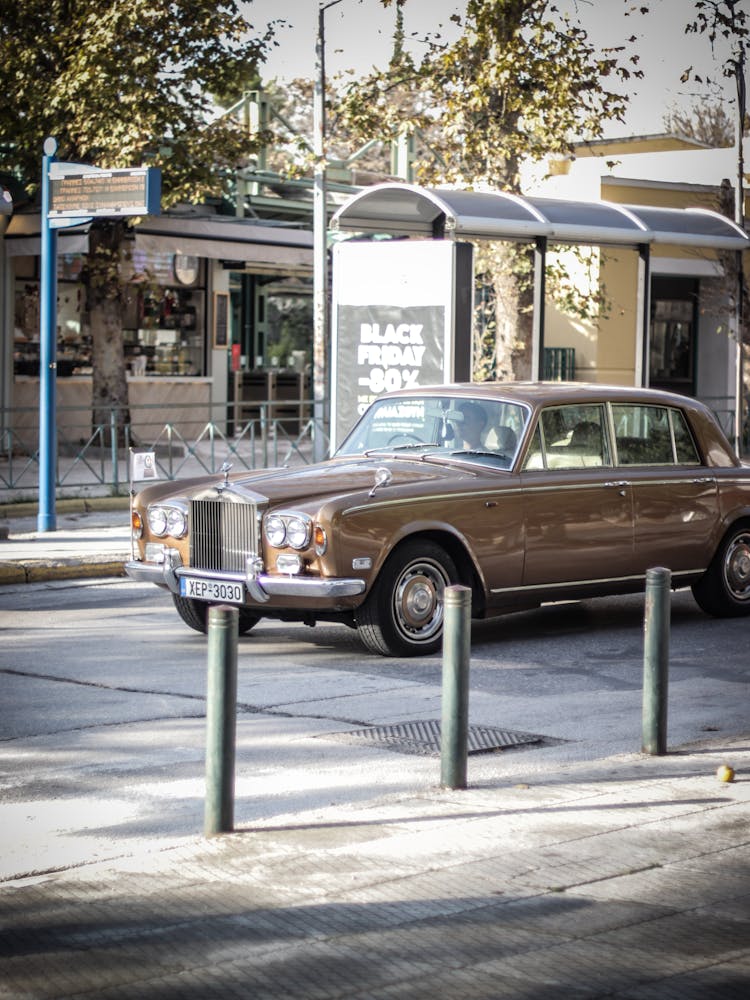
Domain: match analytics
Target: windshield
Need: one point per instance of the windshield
(466, 428)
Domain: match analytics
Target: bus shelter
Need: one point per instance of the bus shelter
(404, 210)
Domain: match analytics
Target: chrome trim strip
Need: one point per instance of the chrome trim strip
(588, 583)
(470, 495)
(524, 488)
(211, 574)
(631, 481)
(307, 586)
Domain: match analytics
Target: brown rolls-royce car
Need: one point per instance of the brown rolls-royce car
(524, 492)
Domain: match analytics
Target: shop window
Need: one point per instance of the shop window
(288, 323)
(673, 333)
(73, 343)
(164, 316)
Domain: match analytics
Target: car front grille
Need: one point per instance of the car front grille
(222, 534)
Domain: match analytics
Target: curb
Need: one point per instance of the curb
(43, 570)
(77, 505)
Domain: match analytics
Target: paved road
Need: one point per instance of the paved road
(103, 690)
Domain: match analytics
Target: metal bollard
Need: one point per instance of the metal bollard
(454, 730)
(656, 660)
(221, 719)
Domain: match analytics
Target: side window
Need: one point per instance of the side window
(687, 453)
(652, 435)
(574, 437)
(534, 456)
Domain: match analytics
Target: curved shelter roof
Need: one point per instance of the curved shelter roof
(409, 210)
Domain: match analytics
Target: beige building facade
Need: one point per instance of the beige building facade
(692, 324)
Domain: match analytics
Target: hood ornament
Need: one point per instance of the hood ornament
(383, 476)
(225, 469)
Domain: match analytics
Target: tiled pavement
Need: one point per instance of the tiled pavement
(627, 878)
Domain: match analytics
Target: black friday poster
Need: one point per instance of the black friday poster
(393, 315)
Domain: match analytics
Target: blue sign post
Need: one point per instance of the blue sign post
(46, 516)
(72, 194)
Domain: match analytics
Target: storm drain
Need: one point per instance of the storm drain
(423, 737)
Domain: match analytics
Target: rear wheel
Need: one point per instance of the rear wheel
(195, 614)
(724, 589)
(403, 616)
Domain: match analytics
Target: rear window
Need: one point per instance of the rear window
(652, 435)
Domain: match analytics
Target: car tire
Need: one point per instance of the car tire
(195, 614)
(724, 589)
(403, 615)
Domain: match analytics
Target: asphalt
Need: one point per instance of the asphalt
(627, 877)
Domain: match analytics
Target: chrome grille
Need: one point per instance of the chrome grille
(222, 534)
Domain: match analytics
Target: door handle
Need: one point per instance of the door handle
(621, 485)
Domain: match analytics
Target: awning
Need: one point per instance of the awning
(251, 246)
(257, 248)
(408, 210)
(22, 237)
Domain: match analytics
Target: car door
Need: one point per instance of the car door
(674, 496)
(578, 511)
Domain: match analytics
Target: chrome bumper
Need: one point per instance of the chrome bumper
(260, 586)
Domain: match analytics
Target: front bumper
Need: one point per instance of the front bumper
(260, 586)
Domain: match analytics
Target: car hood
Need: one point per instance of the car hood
(316, 482)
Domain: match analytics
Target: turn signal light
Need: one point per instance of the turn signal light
(320, 539)
(136, 524)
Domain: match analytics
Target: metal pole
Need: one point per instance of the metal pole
(454, 730)
(537, 346)
(739, 218)
(221, 719)
(656, 661)
(46, 515)
(320, 243)
(113, 452)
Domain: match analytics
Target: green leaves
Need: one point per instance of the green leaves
(522, 81)
(117, 83)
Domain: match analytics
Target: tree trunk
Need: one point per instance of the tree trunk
(523, 353)
(110, 387)
(514, 300)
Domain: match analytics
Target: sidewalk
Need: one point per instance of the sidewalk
(626, 878)
(92, 540)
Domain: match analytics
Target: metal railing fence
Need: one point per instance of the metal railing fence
(94, 458)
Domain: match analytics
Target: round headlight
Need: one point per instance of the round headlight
(176, 522)
(298, 532)
(275, 531)
(157, 520)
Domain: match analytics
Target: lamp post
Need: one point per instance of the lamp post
(320, 248)
(739, 218)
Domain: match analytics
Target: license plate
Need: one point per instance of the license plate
(202, 589)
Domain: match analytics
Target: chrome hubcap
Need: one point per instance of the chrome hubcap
(418, 600)
(737, 567)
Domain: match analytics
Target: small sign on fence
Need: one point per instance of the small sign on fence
(142, 465)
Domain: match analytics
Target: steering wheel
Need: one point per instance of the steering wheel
(406, 436)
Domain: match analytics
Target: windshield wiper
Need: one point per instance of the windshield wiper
(402, 447)
(480, 453)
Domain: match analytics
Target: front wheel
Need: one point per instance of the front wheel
(403, 615)
(724, 589)
(195, 614)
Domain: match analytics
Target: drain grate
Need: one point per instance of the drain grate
(423, 737)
